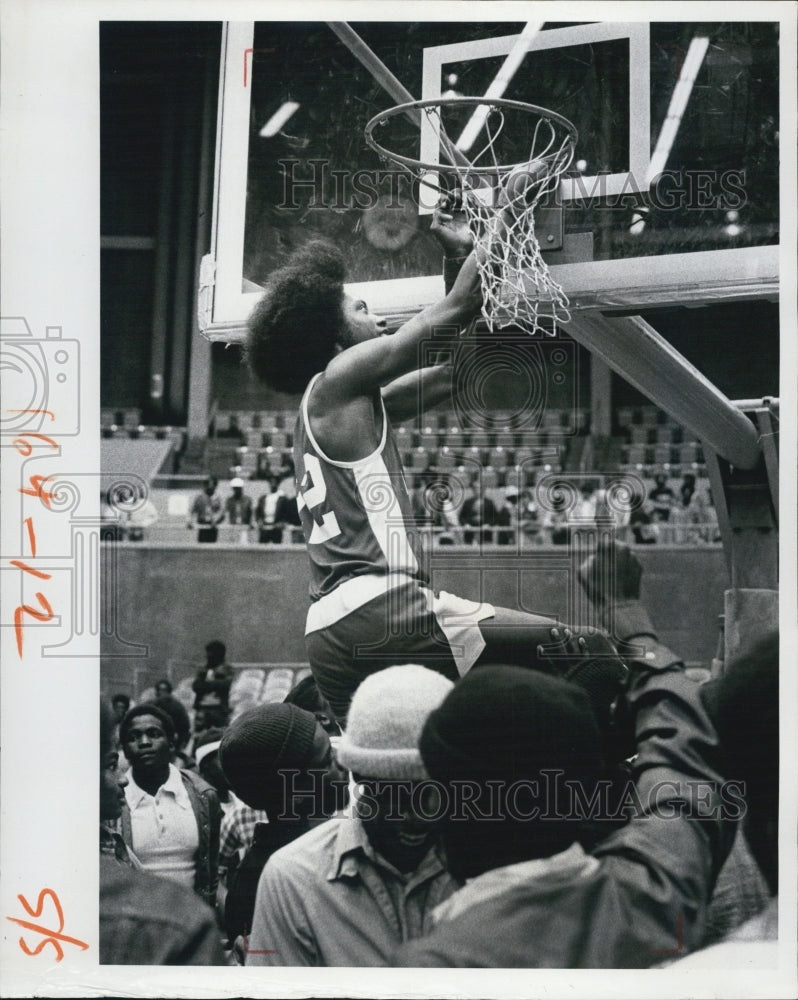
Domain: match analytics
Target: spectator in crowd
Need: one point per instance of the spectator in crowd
(112, 519)
(527, 876)
(436, 508)
(142, 517)
(207, 512)
(235, 839)
(690, 513)
(277, 758)
(286, 479)
(112, 792)
(176, 711)
(642, 522)
(661, 497)
(479, 518)
(554, 522)
(585, 508)
(206, 758)
(163, 687)
(120, 703)
(171, 817)
(144, 920)
(212, 684)
(507, 517)
(350, 891)
(305, 694)
(199, 725)
(529, 519)
(274, 511)
(744, 705)
(238, 506)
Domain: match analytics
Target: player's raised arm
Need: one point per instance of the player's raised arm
(370, 365)
(306, 324)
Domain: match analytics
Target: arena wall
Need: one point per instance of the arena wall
(174, 599)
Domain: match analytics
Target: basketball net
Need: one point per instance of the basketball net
(517, 286)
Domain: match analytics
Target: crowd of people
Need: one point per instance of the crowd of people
(274, 518)
(452, 508)
(456, 783)
(553, 815)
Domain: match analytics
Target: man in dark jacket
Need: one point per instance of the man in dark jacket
(171, 817)
(536, 892)
(144, 920)
(277, 758)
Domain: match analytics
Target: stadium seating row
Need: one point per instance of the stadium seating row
(228, 422)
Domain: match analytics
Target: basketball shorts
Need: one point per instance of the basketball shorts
(369, 623)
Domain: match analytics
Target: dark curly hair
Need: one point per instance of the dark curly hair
(293, 330)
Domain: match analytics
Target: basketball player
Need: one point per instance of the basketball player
(371, 601)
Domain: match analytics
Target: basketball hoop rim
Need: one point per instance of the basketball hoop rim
(502, 102)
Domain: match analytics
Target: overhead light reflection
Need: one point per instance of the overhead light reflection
(679, 98)
(278, 119)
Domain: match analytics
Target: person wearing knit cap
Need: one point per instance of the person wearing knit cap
(349, 892)
(517, 757)
(171, 817)
(500, 731)
(277, 758)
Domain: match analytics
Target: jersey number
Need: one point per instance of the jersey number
(314, 496)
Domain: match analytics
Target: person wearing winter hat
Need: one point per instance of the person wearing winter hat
(349, 892)
(526, 748)
(277, 758)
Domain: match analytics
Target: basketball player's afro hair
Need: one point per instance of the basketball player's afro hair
(292, 331)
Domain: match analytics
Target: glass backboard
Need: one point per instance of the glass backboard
(672, 197)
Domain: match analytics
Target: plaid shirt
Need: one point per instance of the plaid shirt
(238, 829)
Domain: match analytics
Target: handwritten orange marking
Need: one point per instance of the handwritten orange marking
(31, 535)
(256, 951)
(20, 441)
(29, 569)
(38, 490)
(18, 624)
(49, 413)
(247, 53)
(48, 936)
(679, 938)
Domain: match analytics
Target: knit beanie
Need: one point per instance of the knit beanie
(259, 744)
(504, 725)
(386, 717)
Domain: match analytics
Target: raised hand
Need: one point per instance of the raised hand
(450, 226)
